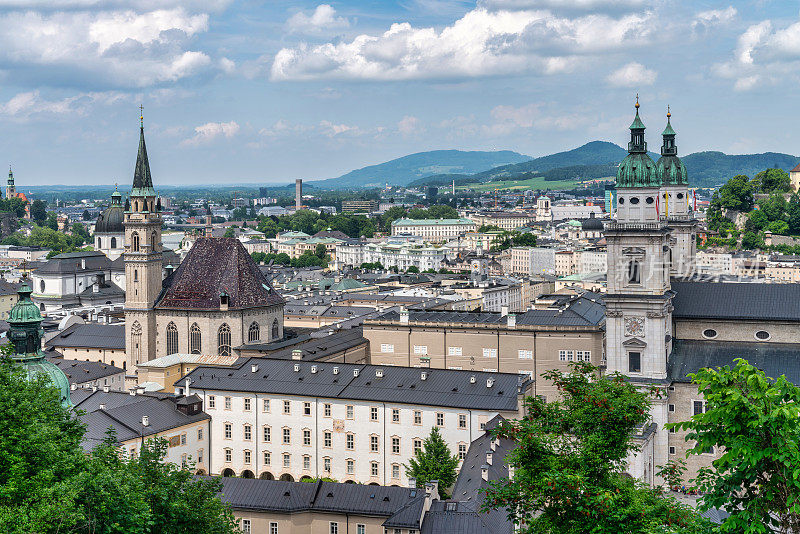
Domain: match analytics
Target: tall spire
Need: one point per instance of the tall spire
(10, 176)
(141, 175)
(637, 143)
(668, 147)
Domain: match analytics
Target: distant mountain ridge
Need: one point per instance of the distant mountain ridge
(594, 160)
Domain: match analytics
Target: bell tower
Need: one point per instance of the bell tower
(11, 190)
(142, 261)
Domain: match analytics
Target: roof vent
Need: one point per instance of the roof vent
(106, 389)
(145, 421)
(133, 392)
(297, 368)
(489, 382)
(472, 379)
(355, 372)
(254, 368)
(423, 375)
(379, 373)
(102, 406)
(313, 369)
(73, 386)
(336, 370)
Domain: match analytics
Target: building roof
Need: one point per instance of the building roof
(404, 385)
(775, 359)
(177, 358)
(736, 301)
(313, 347)
(215, 266)
(79, 372)
(432, 222)
(110, 221)
(99, 336)
(448, 517)
(72, 262)
(9, 288)
(289, 497)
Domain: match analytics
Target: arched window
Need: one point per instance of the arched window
(172, 338)
(254, 332)
(41, 285)
(224, 340)
(275, 329)
(98, 243)
(136, 275)
(194, 339)
(135, 242)
(154, 242)
(113, 242)
(136, 341)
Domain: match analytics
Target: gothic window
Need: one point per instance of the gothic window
(113, 242)
(135, 242)
(136, 341)
(634, 272)
(224, 340)
(194, 339)
(275, 329)
(172, 338)
(254, 332)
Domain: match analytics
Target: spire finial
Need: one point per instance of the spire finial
(668, 113)
(141, 116)
(637, 101)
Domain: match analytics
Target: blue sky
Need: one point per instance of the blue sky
(266, 92)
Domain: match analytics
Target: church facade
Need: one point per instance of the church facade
(215, 300)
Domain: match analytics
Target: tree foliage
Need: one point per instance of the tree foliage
(736, 194)
(570, 460)
(772, 181)
(434, 461)
(39, 211)
(755, 421)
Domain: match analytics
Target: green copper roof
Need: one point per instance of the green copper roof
(671, 171)
(25, 334)
(668, 130)
(637, 170)
(637, 123)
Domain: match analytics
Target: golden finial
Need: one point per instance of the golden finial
(637, 101)
(116, 187)
(141, 115)
(668, 113)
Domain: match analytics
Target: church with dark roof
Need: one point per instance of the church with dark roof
(215, 300)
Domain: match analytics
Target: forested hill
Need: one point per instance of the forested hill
(714, 168)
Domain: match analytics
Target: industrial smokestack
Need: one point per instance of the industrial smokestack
(298, 194)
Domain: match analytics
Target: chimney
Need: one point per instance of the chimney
(209, 230)
(489, 457)
(432, 489)
(102, 406)
(423, 375)
(313, 369)
(145, 421)
(489, 382)
(73, 387)
(133, 392)
(297, 354)
(472, 379)
(403, 316)
(336, 370)
(485, 472)
(412, 482)
(298, 194)
(106, 389)
(188, 381)
(503, 311)
(297, 368)
(83, 263)
(254, 368)
(511, 320)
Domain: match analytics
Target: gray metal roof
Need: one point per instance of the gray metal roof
(442, 387)
(463, 518)
(775, 359)
(72, 262)
(712, 300)
(315, 348)
(101, 336)
(79, 372)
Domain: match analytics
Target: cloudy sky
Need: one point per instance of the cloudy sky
(249, 91)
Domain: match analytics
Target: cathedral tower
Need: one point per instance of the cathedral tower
(142, 261)
(676, 208)
(639, 301)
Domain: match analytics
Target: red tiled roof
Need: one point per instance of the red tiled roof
(796, 169)
(215, 265)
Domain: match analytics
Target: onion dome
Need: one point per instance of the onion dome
(25, 334)
(669, 167)
(637, 169)
(111, 219)
(592, 223)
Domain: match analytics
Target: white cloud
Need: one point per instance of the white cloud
(139, 5)
(714, 17)
(330, 129)
(564, 5)
(122, 48)
(227, 65)
(24, 106)
(481, 43)
(409, 125)
(323, 19)
(208, 132)
(510, 119)
(632, 75)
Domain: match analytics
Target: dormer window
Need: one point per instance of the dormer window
(224, 299)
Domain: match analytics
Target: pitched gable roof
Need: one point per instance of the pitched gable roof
(217, 265)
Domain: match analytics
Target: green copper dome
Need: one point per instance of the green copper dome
(637, 169)
(669, 168)
(25, 334)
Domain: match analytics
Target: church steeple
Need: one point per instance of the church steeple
(637, 143)
(668, 147)
(142, 181)
(10, 176)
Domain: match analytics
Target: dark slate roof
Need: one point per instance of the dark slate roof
(9, 288)
(80, 372)
(141, 173)
(110, 220)
(215, 265)
(71, 262)
(736, 301)
(775, 359)
(442, 387)
(288, 497)
(314, 348)
(463, 518)
(106, 290)
(124, 413)
(102, 336)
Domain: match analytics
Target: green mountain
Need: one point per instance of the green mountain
(707, 169)
(403, 170)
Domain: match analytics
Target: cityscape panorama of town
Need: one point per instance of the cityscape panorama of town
(401, 267)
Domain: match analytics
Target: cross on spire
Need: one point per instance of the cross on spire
(141, 115)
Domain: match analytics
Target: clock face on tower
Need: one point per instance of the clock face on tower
(634, 326)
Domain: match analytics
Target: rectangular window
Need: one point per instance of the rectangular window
(306, 408)
(672, 450)
(373, 413)
(462, 451)
(326, 440)
(273, 528)
(327, 410)
(348, 411)
(373, 469)
(247, 457)
(228, 431)
(420, 349)
(361, 529)
(326, 465)
(395, 445)
(698, 407)
(246, 404)
(490, 353)
(454, 351)
(334, 528)
(228, 455)
(265, 405)
(287, 407)
(417, 445)
(417, 417)
(199, 434)
(227, 403)
(183, 439)
(462, 420)
(287, 436)
(246, 526)
(306, 437)
(248, 433)
(525, 354)
(395, 471)
(212, 402)
(634, 362)
(351, 467)
(200, 456)
(267, 434)
(373, 444)
(439, 419)
(562, 355)
(267, 458)
(672, 407)
(287, 459)
(387, 347)
(349, 442)
(306, 462)
(395, 415)
(570, 355)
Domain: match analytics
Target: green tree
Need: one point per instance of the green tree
(524, 240)
(752, 241)
(413, 269)
(736, 194)
(39, 211)
(321, 251)
(755, 420)
(230, 232)
(86, 216)
(757, 220)
(434, 461)
(80, 234)
(778, 227)
(772, 180)
(774, 207)
(570, 460)
(52, 221)
(489, 228)
(15, 205)
(793, 214)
